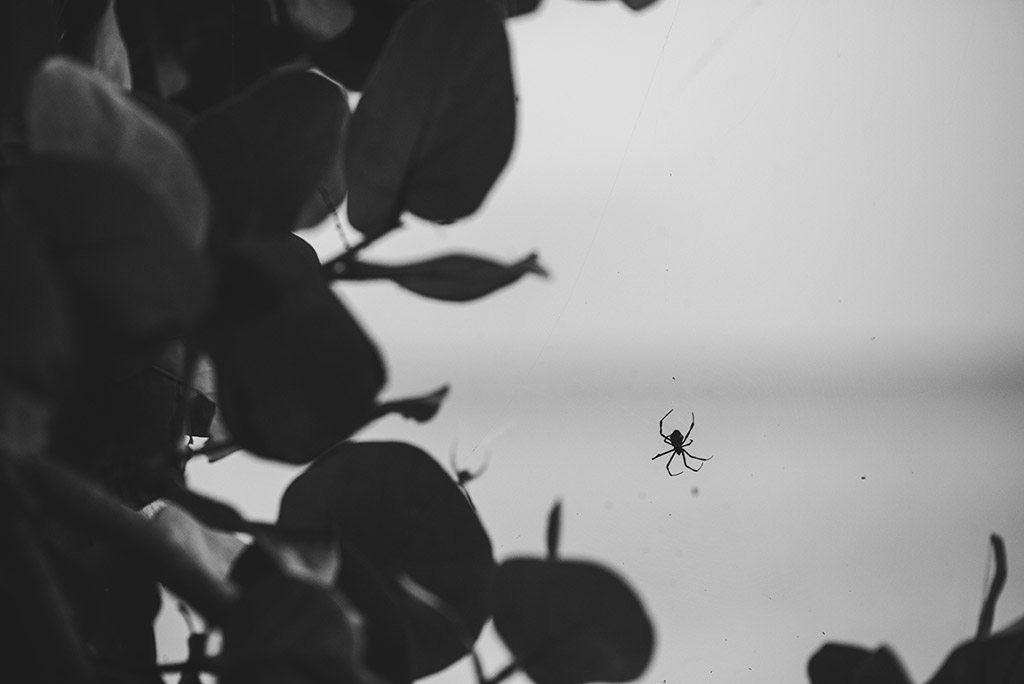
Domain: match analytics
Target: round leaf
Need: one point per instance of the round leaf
(295, 372)
(400, 510)
(73, 111)
(569, 622)
(265, 152)
(435, 126)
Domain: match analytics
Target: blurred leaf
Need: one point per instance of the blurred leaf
(638, 5)
(421, 409)
(35, 347)
(28, 33)
(436, 123)
(847, 664)
(349, 57)
(570, 622)
(74, 112)
(264, 153)
(320, 20)
(295, 372)
(554, 530)
(200, 411)
(286, 631)
(330, 191)
(517, 8)
(454, 277)
(219, 443)
(997, 659)
(397, 506)
(123, 264)
(104, 48)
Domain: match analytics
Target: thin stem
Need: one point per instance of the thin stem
(988, 608)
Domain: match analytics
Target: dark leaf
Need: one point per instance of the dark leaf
(396, 506)
(349, 57)
(284, 630)
(421, 409)
(570, 622)
(554, 530)
(516, 8)
(295, 372)
(436, 123)
(264, 153)
(847, 664)
(75, 112)
(320, 20)
(997, 659)
(125, 267)
(638, 5)
(329, 192)
(200, 411)
(35, 347)
(454, 278)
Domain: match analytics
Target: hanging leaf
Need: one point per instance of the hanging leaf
(398, 507)
(320, 20)
(846, 664)
(125, 268)
(264, 153)
(453, 278)
(350, 56)
(570, 622)
(993, 660)
(295, 372)
(435, 126)
(421, 409)
(73, 111)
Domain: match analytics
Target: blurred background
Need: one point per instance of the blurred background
(801, 220)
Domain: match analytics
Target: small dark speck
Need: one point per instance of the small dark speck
(863, 478)
(872, 338)
(694, 491)
(673, 377)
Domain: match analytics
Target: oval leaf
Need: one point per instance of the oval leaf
(453, 278)
(846, 664)
(435, 126)
(295, 372)
(124, 265)
(570, 622)
(73, 111)
(397, 507)
(265, 152)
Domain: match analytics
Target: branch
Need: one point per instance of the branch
(81, 502)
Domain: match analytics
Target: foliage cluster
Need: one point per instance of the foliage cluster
(158, 158)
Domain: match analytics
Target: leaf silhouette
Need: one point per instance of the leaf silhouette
(401, 511)
(74, 111)
(570, 622)
(264, 153)
(453, 277)
(295, 372)
(436, 123)
(847, 664)
(124, 266)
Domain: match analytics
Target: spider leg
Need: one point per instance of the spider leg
(668, 466)
(661, 425)
(692, 421)
(698, 458)
(662, 454)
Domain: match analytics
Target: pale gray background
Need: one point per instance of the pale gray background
(802, 220)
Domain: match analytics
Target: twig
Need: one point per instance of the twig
(988, 608)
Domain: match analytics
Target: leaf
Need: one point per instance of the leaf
(35, 348)
(570, 622)
(554, 530)
(320, 20)
(518, 8)
(638, 5)
(454, 277)
(295, 372)
(397, 507)
(350, 56)
(106, 51)
(997, 659)
(285, 631)
(436, 123)
(72, 111)
(847, 664)
(264, 152)
(124, 267)
(421, 409)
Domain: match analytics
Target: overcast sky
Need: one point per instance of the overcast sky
(803, 221)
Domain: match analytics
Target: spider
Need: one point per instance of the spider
(679, 442)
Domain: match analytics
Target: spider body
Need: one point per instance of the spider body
(678, 441)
